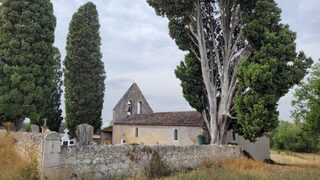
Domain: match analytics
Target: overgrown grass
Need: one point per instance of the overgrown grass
(288, 166)
(12, 166)
(302, 160)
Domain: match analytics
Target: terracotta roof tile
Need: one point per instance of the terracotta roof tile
(188, 118)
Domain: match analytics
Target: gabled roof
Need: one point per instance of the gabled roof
(187, 118)
(133, 87)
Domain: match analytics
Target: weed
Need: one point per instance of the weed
(12, 166)
(157, 167)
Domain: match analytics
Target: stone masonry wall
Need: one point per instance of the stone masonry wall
(106, 161)
(28, 144)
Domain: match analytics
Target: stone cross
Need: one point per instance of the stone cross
(34, 128)
(66, 135)
(84, 134)
(44, 127)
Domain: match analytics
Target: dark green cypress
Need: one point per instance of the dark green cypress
(53, 112)
(26, 52)
(268, 74)
(189, 73)
(84, 70)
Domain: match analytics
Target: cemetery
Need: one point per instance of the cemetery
(58, 160)
(229, 92)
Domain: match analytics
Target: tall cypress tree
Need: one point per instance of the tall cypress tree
(26, 59)
(84, 70)
(53, 112)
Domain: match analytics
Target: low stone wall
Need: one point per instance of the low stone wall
(28, 144)
(106, 161)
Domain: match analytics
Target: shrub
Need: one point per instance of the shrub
(290, 137)
(9, 126)
(157, 167)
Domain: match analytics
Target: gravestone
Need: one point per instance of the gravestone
(66, 141)
(84, 134)
(51, 158)
(35, 128)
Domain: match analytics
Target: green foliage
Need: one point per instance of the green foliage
(290, 137)
(84, 70)
(307, 104)
(53, 112)
(189, 72)
(28, 127)
(268, 74)
(26, 59)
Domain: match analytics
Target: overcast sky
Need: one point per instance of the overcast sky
(137, 48)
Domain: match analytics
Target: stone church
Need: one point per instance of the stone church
(134, 122)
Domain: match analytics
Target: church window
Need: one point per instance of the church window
(139, 107)
(129, 111)
(137, 132)
(175, 134)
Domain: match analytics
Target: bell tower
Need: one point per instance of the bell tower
(132, 103)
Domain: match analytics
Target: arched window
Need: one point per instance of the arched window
(129, 110)
(137, 132)
(175, 134)
(139, 107)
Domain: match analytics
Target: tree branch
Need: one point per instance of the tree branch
(229, 116)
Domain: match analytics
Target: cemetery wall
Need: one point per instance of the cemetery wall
(28, 144)
(107, 161)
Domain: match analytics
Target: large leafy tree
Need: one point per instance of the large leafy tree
(247, 59)
(307, 104)
(84, 70)
(53, 113)
(26, 59)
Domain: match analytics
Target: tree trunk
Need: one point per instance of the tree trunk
(219, 94)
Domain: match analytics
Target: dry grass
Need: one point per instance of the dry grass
(247, 166)
(287, 166)
(12, 166)
(299, 160)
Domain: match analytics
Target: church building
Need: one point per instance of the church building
(134, 122)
